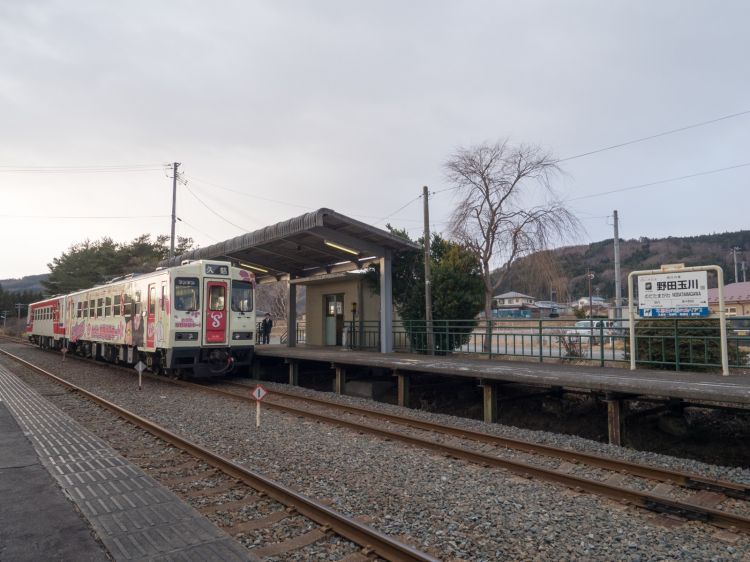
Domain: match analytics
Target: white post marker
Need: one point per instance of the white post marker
(259, 393)
(64, 350)
(140, 367)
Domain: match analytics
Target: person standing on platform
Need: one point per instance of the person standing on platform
(266, 327)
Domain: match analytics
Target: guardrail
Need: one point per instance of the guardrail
(689, 344)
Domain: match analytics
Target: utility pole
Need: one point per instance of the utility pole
(175, 165)
(618, 286)
(427, 274)
(19, 306)
(590, 276)
(734, 256)
(742, 266)
(5, 317)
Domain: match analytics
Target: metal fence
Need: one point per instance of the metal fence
(676, 343)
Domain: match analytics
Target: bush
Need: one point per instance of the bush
(699, 344)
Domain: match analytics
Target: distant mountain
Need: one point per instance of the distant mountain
(533, 275)
(29, 283)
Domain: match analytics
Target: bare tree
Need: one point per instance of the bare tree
(506, 208)
(274, 298)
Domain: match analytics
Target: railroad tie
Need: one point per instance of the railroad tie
(260, 523)
(220, 489)
(294, 543)
(229, 506)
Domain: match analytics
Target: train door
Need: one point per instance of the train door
(164, 311)
(151, 316)
(215, 312)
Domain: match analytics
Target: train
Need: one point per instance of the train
(192, 320)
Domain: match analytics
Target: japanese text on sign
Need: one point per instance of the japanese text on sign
(679, 294)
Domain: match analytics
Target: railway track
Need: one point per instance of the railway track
(674, 493)
(681, 494)
(227, 491)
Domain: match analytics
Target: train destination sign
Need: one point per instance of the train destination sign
(673, 295)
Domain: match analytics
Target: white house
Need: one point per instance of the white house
(512, 299)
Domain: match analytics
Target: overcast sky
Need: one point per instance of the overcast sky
(277, 108)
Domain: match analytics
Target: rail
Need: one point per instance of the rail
(348, 527)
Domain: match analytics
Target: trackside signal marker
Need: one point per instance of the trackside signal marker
(258, 393)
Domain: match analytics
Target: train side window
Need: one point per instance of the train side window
(152, 300)
(108, 306)
(92, 308)
(100, 307)
(163, 301)
(128, 305)
(116, 306)
(79, 311)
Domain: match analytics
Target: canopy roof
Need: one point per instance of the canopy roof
(307, 245)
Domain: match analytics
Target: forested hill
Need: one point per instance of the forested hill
(32, 283)
(533, 276)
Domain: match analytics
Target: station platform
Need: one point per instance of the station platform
(616, 386)
(67, 496)
(686, 385)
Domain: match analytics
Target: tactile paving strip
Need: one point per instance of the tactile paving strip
(134, 516)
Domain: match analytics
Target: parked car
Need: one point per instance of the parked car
(739, 327)
(591, 329)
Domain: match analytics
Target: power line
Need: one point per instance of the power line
(214, 212)
(659, 182)
(657, 135)
(247, 215)
(399, 209)
(13, 169)
(252, 196)
(83, 216)
(198, 230)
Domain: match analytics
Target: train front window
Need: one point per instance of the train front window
(186, 293)
(216, 297)
(242, 296)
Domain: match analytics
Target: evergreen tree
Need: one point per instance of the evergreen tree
(89, 263)
(457, 292)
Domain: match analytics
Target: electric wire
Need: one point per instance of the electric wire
(12, 169)
(107, 217)
(214, 212)
(654, 136)
(198, 230)
(399, 209)
(250, 195)
(659, 182)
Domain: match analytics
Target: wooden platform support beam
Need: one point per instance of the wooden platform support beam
(489, 399)
(404, 383)
(293, 372)
(614, 418)
(340, 382)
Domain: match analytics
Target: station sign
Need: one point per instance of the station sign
(673, 295)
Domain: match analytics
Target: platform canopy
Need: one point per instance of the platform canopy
(315, 243)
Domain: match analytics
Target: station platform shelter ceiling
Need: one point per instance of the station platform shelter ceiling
(316, 243)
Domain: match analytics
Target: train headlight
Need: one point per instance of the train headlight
(186, 336)
(238, 336)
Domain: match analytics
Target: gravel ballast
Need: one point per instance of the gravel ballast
(455, 510)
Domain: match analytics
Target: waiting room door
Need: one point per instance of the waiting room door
(333, 327)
